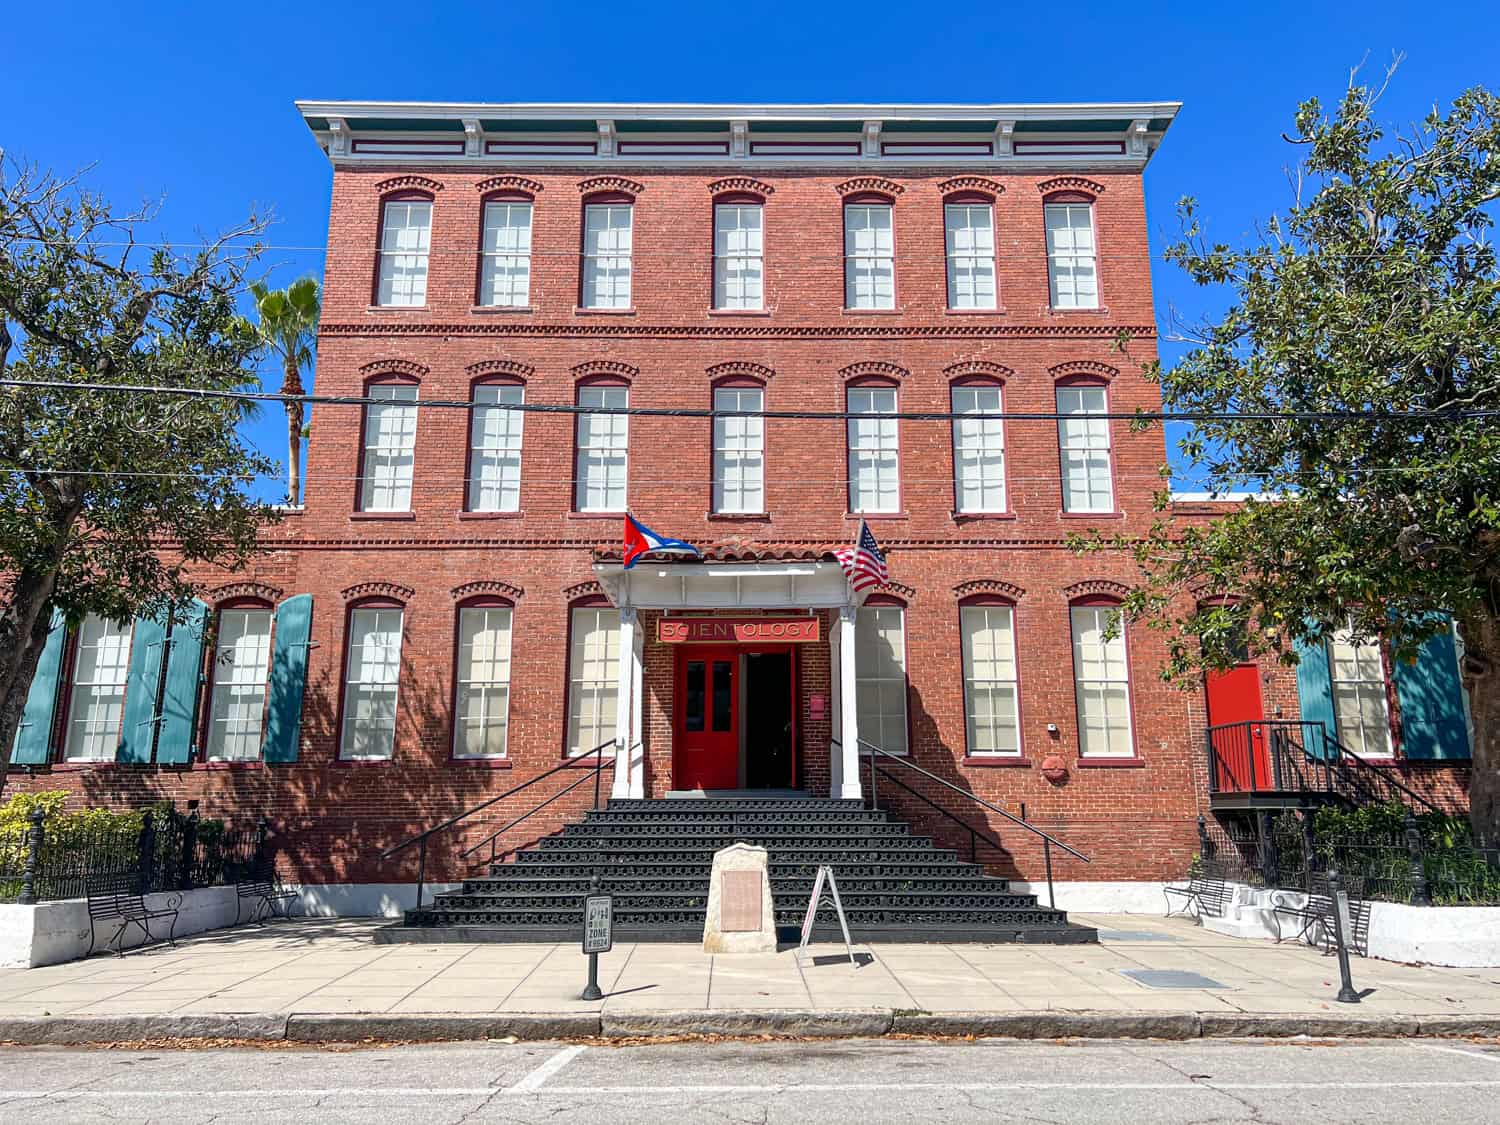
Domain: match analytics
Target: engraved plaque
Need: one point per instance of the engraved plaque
(739, 902)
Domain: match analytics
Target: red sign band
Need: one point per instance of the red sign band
(737, 630)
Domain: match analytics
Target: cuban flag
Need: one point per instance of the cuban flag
(641, 540)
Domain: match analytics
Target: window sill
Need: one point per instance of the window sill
(101, 764)
(492, 515)
(597, 515)
(1111, 763)
(871, 312)
(579, 310)
(877, 515)
(1091, 515)
(999, 310)
(356, 762)
(739, 312)
(730, 517)
(991, 761)
(382, 515)
(979, 517)
(395, 308)
(1387, 761)
(1051, 310)
(589, 762)
(228, 764)
(487, 309)
(482, 763)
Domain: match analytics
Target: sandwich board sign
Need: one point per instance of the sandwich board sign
(825, 879)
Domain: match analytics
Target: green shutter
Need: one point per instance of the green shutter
(34, 735)
(1315, 688)
(293, 631)
(148, 646)
(1431, 695)
(179, 704)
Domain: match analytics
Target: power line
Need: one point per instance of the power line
(809, 415)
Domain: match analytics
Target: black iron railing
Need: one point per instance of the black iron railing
(1290, 756)
(903, 760)
(421, 839)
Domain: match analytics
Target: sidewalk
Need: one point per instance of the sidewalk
(328, 979)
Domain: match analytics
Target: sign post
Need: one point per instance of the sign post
(825, 878)
(598, 933)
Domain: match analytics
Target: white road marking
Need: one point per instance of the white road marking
(1456, 1051)
(533, 1081)
(556, 1062)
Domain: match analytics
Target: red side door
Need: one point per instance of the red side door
(707, 739)
(1244, 763)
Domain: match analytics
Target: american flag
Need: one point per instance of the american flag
(863, 563)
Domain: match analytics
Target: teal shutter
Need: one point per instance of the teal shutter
(293, 632)
(34, 735)
(179, 704)
(148, 645)
(1315, 688)
(1432, 701)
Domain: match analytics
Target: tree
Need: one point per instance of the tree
(288, 326)
(108, 499)
(1363, 327)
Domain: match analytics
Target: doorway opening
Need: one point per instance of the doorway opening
(735, 719)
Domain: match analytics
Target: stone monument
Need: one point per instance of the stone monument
(741, 918)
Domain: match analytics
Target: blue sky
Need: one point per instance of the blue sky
(194, 102)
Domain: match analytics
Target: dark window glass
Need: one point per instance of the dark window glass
(694, 695)
(723, 686)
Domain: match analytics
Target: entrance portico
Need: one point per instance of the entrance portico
(776, 613)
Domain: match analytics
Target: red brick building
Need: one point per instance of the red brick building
(452, 593)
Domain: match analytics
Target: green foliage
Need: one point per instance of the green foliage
(15, 814)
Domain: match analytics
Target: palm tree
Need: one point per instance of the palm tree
(288, 327)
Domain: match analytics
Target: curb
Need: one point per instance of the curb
(865, 1023)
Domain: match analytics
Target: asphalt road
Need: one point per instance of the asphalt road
(852, 1082)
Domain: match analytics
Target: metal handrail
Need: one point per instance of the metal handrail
(421, 838)
(974, 833)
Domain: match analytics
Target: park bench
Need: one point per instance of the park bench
(116, 897)
(1204, 892)
(269, 898)
(1314, 915)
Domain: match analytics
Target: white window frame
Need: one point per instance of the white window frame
(241, 681)
(387, 467)
(495, 436)
(979, 447)
(742, 267)
(605, 248)
(603, 446)
(1366, 660)
(491, 691)
(990, 620)
(874, 443)
(505, 255)
(593, 676)
(386, 679)
(1065, 260)
(866, 265)
(971, 261)
(1101, 668)
(1084, 448)
(403, 252)
(885, 683)
(96, 706)
(739, 467)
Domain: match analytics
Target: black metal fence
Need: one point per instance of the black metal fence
(170, 851)
(1390, 864)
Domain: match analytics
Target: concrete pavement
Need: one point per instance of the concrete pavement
(873, 1081)
(258, 978)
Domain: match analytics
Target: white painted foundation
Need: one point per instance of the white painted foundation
(1088, 897)
(1463, 936)
(52, 932)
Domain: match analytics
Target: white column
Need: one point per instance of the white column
(835, 713)
(638, 749)
(849, 788)
(624, 683)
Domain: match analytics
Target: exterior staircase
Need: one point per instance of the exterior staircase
(654, 856)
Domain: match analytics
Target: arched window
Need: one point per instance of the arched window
(869, 252)
(494, 475)
(969, 239)
(481, 707)
(1101, 678)
(978, 447)
(608, 222)
(739, 252)
(239, 677)
(593, 674)
(880, 672)
(1083, 442)
(389, 444)
(96, 698)
(602, 447)
(874, 446)
(992, 707)
(505, 251)
(739, 464)
(405, 242)
(1072, 269)
(372, 672)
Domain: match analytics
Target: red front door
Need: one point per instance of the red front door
(708, 729)
(1240, 753)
